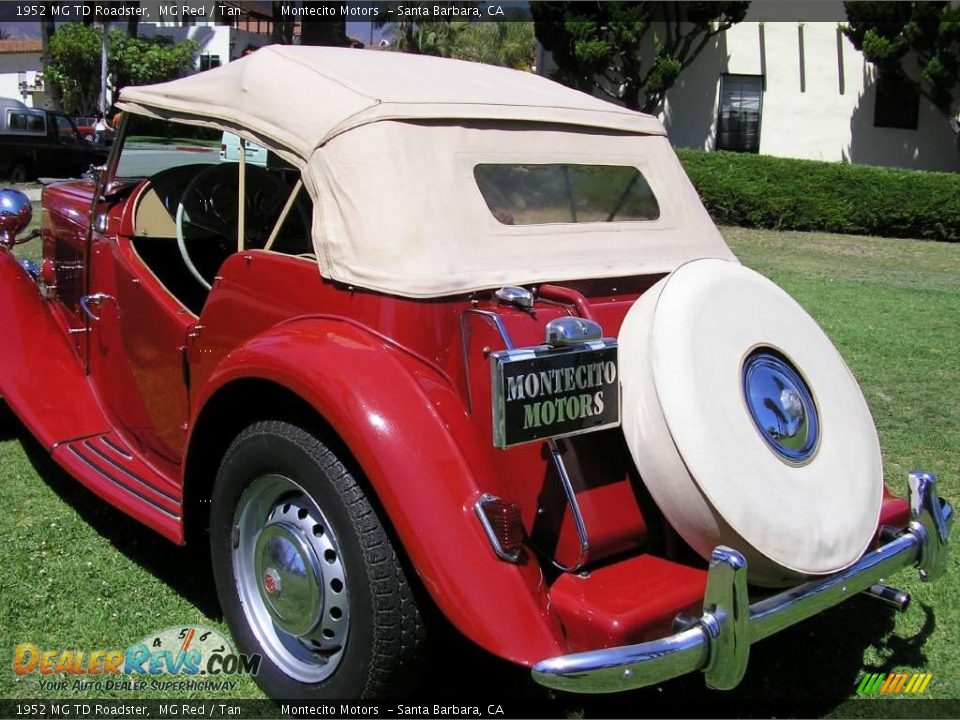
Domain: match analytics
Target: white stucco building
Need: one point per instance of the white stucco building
(20, 76)
(798, 88)
(221, 39)
(787, 82)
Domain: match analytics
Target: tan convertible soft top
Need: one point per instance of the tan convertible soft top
(388, 142)
(303, 96)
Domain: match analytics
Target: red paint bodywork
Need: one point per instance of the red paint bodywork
(405, 384)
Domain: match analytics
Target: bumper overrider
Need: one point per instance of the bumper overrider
(718, 643)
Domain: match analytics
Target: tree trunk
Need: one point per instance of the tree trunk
(651, 104)
(132, 20)
(47, 28)
(331, 32)
(282, 26)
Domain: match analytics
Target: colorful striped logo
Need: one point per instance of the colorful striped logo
(894, 683)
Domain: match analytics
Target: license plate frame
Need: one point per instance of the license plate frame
(532, 409)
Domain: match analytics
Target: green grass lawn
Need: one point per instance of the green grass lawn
(77, 574)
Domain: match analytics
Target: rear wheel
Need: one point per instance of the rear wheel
(306, 574)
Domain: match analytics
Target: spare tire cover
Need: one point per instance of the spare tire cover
(792, 476)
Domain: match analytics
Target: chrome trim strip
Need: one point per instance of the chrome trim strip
(574, 510)
(123, 452)
(129, 473)
(123, 486)
(719, 642)
(497, 322)
(96, 299)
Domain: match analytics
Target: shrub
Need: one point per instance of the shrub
(787, 194)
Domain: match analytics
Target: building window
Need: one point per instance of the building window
(898, 103)
(738, 124)
(208, 61)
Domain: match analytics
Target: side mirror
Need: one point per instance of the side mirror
(16, 211)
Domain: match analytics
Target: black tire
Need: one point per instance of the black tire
(383, 643)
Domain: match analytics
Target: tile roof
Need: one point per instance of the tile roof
(21, 45)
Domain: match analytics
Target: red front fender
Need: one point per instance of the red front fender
(410, 433)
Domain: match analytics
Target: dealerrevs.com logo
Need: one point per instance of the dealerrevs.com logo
(178, 658)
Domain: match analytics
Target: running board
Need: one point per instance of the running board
(113, 470)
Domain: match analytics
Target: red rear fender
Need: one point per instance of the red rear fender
(410, 434)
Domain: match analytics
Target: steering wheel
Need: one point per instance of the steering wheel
(208, 208)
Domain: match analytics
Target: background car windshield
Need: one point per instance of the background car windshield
(565, 193)
(154, 145)
(65, 128)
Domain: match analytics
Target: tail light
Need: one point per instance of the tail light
(501, 521)
(48, 278)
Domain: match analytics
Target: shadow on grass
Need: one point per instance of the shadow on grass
(10, 426)
(186, 570)
(808, 670)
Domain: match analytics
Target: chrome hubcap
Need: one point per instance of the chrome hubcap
(290, 578)
(781, 406)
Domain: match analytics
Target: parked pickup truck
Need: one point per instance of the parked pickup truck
(39, 143)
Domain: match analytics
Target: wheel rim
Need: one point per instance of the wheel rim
(781, 406)
(290, 577)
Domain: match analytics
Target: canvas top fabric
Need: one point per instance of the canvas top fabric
(303, 96)
(388, 144)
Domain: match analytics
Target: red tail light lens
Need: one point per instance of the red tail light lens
(48, 276)
(501, 521)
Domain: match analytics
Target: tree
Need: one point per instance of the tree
(141, 61)
(4, 35)
(505, 43)
(609, 47)
(282, 24)
(133, 20)
(916, 42)
(328, 32)
(47, 28)
(74, 65)
(405, 37)
(426, 38)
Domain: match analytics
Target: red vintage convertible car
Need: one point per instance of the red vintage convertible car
(466, 338)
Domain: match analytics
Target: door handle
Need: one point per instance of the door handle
(96, 299)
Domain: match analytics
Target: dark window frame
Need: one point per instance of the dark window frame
(27, 117)
(892, 107)
(742, 145)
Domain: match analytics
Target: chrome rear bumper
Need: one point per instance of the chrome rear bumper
(719, 642)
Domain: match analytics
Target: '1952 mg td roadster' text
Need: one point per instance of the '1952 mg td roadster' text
(459, 336)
